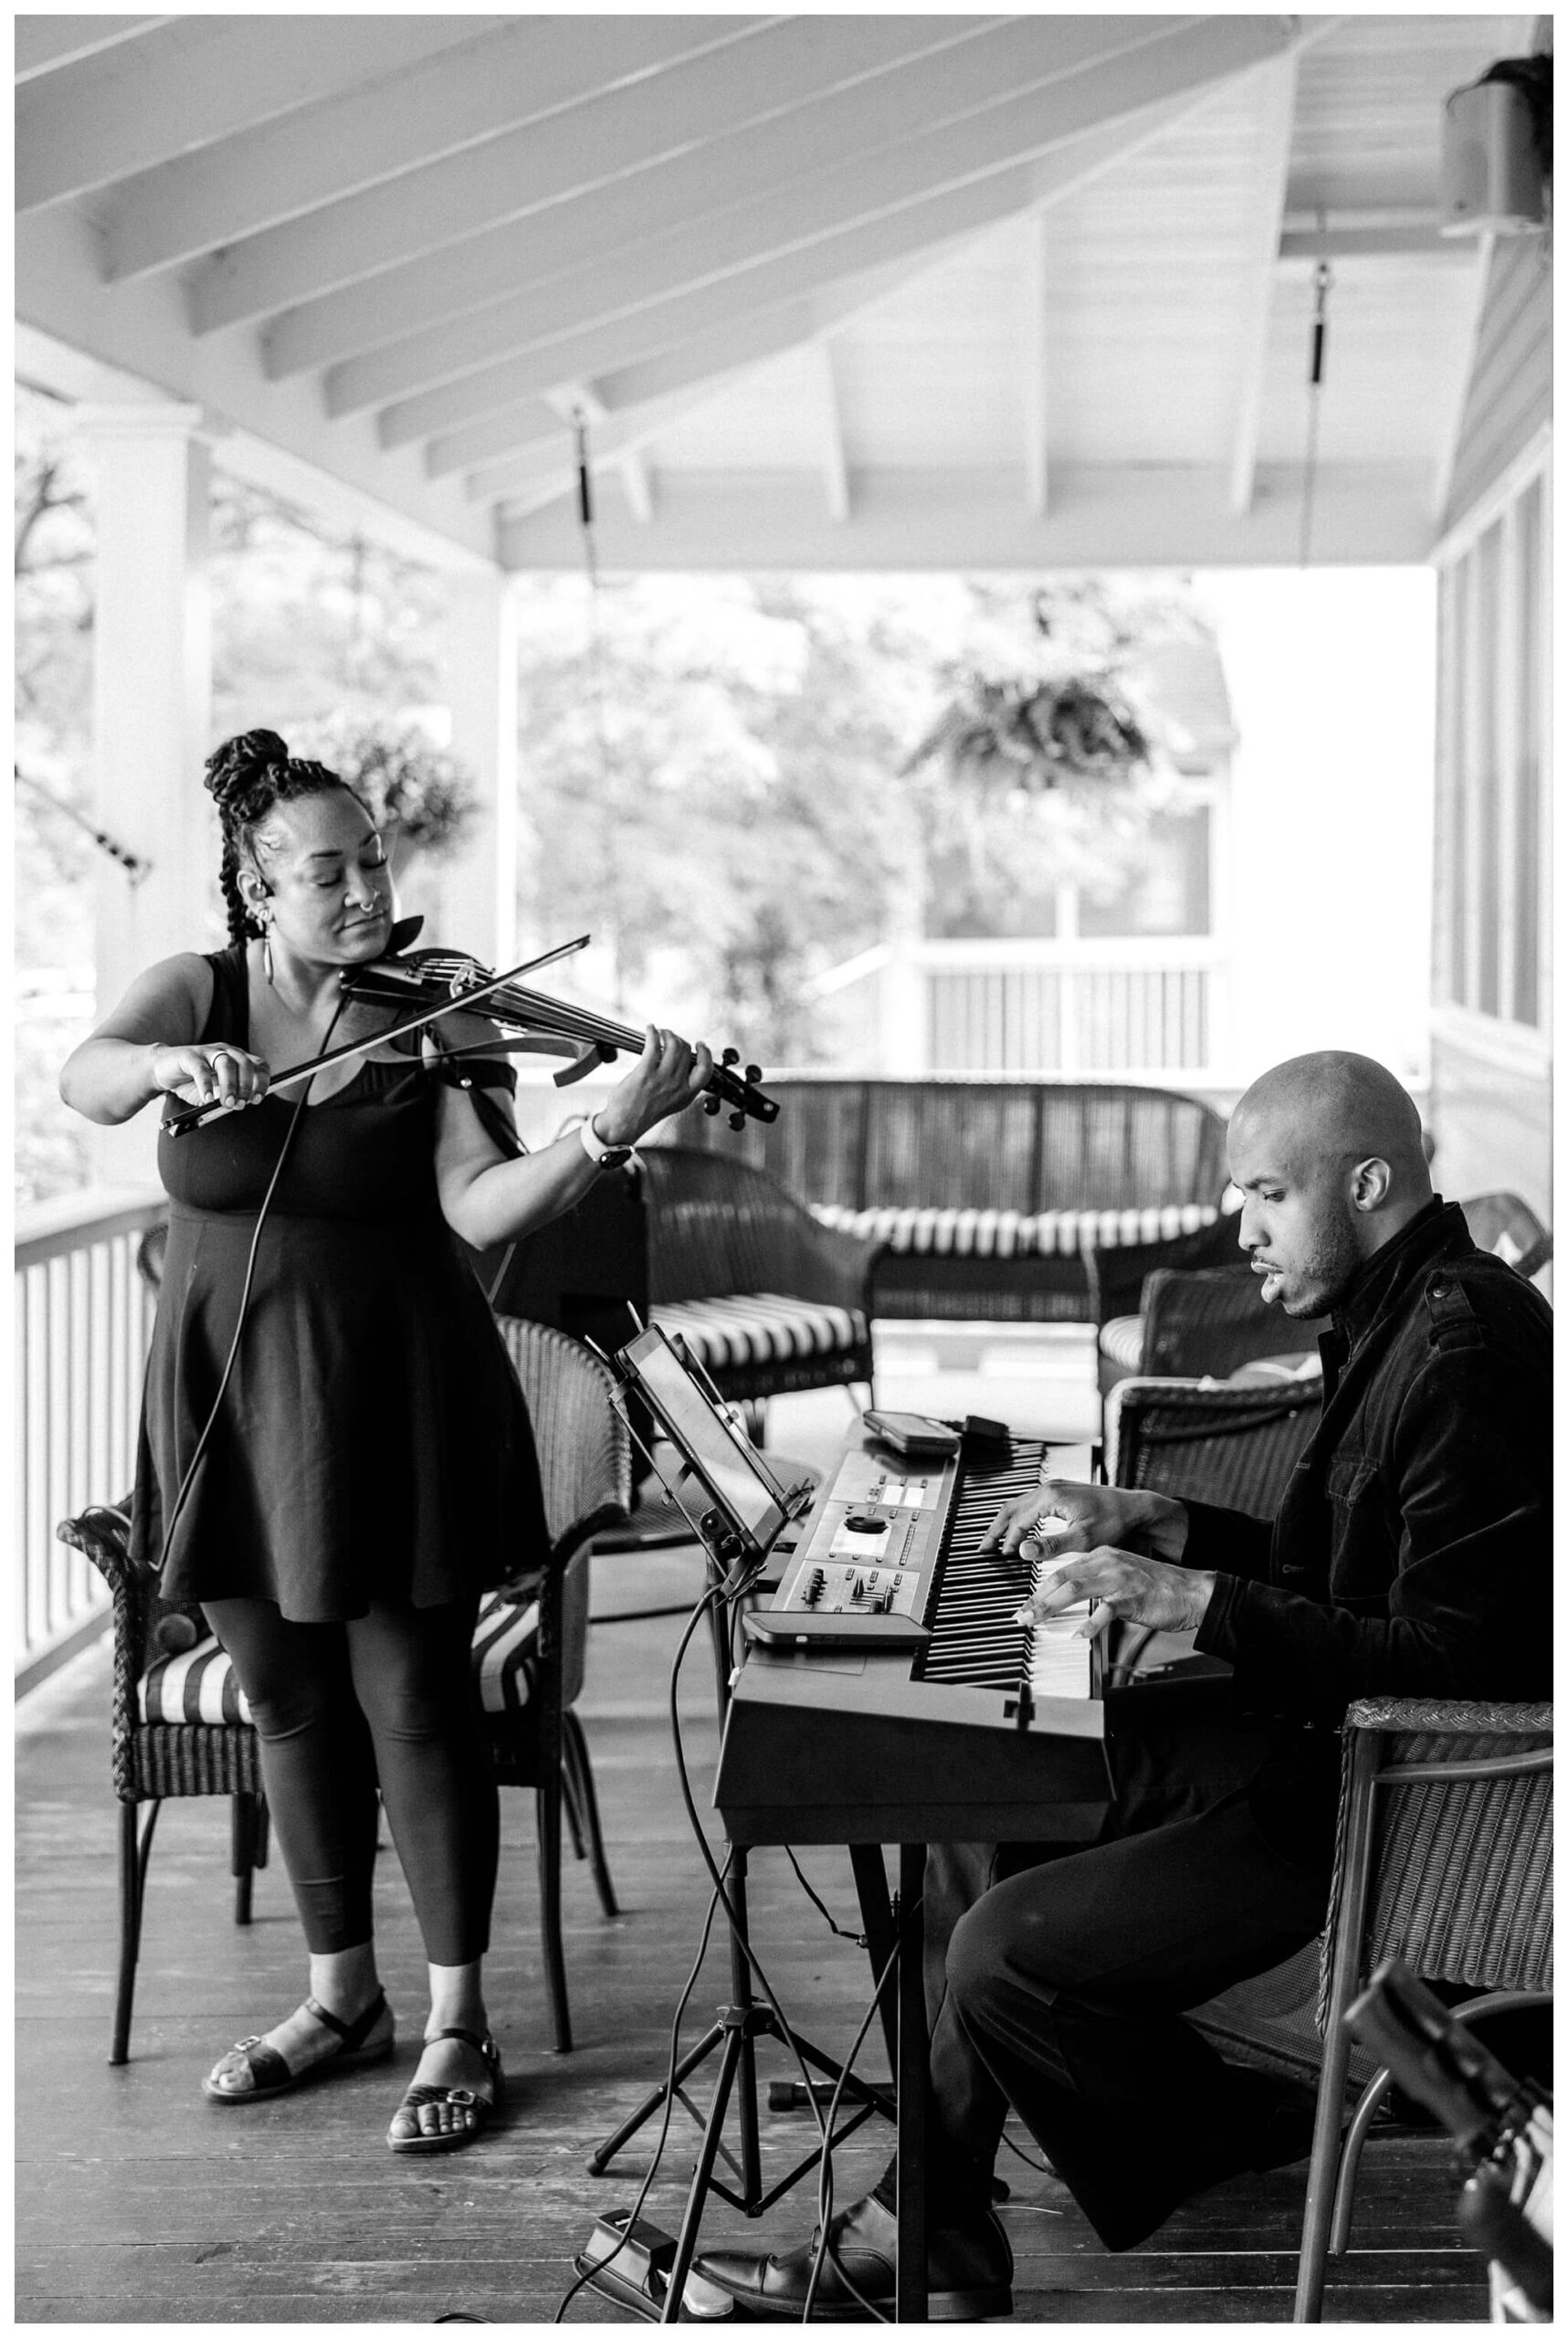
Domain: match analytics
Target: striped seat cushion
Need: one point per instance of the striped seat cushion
(1018, 1234)
(506, 1642)
(760, 1327)
(1121, 1341)
(200, 1685)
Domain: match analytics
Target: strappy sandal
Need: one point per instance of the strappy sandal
(462, 2098)
(270, 2074)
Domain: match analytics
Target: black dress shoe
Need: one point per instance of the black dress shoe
(969, 2270)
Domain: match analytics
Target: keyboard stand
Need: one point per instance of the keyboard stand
(733, 2036)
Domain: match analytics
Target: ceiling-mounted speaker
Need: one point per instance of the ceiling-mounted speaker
(1493, 180)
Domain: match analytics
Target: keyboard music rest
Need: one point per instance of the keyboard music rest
(852, 1746)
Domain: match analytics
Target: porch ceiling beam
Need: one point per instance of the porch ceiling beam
(637, 484)
(662, 330)
(197, 78)
(1033, 322)
(784, 108)
(536, 473)
(835, 461)
(1398, 241)
(648, 87)
(752, 340)
(400, 123)
(707, 359)
(1276, 91)
(873, 190)
(140, 335)
(1111, 517)
(45, 44)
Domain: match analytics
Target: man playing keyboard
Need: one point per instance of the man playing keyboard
(1410, 1557)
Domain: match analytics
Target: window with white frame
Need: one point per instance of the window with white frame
(1493, 681)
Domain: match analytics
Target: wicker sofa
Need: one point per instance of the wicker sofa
(1013, 1200)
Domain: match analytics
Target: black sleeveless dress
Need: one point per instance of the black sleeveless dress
(372, 1441)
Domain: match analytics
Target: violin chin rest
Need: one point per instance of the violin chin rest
(404, 932)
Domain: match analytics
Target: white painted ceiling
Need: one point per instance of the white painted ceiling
(831, 290)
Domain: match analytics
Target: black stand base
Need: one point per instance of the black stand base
(638, 2277)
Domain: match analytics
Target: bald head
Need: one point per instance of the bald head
(1330, 1105)
(1326, 1149)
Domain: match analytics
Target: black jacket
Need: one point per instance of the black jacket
(1411, 1555)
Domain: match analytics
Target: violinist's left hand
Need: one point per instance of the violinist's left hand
(669, 1075)
(1137, 1589)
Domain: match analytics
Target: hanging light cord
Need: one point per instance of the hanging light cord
(1322, 276)
(596, 691)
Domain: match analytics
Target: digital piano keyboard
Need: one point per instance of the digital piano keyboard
(889, 1695)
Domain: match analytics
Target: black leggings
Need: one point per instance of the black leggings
(337, 1707)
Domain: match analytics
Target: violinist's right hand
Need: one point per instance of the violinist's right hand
(213, 1072)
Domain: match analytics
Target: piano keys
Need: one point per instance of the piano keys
(967, 1733)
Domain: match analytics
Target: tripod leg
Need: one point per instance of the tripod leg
(742, 2001)
(877, 1918)
(691, 2222)
(913, 2056)
(645, 2109)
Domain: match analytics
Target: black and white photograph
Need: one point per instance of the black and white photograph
(783, 1316)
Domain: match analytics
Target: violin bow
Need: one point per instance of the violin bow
(187, 1117)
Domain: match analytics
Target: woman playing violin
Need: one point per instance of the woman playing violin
(368, 1469)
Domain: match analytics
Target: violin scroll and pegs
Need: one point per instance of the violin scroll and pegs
(729, 1056)
(737, 1120)
(711, 1105)
(753, 1074)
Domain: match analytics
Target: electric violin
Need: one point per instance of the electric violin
(441, 983)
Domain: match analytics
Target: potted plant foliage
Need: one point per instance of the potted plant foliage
(420, 795)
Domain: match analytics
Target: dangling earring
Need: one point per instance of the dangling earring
(265, 917)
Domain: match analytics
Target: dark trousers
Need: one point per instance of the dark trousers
(1057, 1978)
(339, 1708)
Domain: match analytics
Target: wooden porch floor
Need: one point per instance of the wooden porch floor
(138, 2201)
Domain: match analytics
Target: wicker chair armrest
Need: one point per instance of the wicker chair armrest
(102, 1534)
(1451, 1717)
(1539, 1254)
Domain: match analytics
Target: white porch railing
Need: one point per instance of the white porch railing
(1086, 1007)
(84, 1317)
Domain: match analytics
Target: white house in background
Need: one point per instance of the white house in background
(1053, 977)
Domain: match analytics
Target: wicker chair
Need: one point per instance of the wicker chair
(1232, 1446)
(528, 1666)
(706, 1246)
(1443, 1859)
(1501, 1223)
(1201, 1321)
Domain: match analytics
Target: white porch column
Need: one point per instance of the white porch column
(151, 708)
(479, 890)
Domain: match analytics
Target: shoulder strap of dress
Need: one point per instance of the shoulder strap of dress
(228, 1016)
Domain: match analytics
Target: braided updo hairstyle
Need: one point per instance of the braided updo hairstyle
(246, 777)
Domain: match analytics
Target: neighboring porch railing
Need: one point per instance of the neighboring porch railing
(1073, 1008)
(84, 1317)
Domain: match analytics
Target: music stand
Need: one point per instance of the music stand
(745, 1511)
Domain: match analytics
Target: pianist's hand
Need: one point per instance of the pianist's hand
(1127, 1584)
(1086, 1518)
